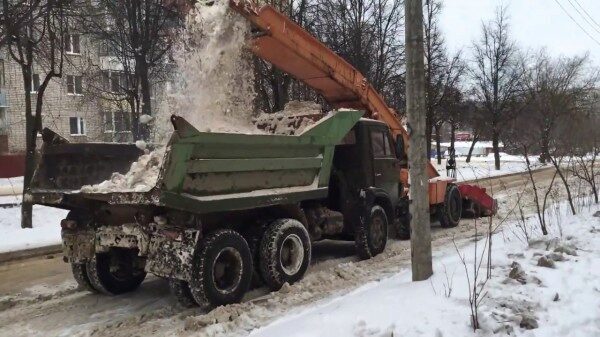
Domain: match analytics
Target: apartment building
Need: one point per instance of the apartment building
(83, 105)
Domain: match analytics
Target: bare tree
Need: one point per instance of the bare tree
(274, 87)
(441, 73)
(498, 77)
(367, 34)
(586, 151)
(36, 44)
(139, 35)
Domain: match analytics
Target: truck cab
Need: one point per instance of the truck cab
(365, 174)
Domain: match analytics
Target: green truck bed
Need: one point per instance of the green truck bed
(201, 172)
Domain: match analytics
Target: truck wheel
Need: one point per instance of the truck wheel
(115, 273)
(221, 269)
(80, 275)
(450, 212)
(183, 294)
(371, 235)
(284, 253)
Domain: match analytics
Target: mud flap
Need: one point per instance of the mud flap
(78, 247)
(172, 257)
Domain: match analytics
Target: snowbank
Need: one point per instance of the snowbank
(563, 300)
(484, 167)
(45, 231)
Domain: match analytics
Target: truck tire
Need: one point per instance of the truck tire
(221, 269)
(285, 253)
(450, 212)
(371, 235)
(79, 271)
(183, 294)
(114, 273)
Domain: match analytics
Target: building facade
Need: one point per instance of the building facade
(83, 105)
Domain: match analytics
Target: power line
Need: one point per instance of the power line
(583, 16)
(586, 13)
(577, 23)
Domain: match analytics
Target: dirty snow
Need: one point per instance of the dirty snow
(292, 120)
(565, 300)
(141, 177)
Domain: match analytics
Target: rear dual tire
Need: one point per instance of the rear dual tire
(285, 253)
(111, 273)
(221, 269)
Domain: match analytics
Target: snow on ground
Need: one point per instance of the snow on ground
(563, 301)
(46, 222)
(483, 167)
(45, 231)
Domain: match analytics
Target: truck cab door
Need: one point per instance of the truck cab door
(386, 166)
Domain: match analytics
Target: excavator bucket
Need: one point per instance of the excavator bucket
(477, 201)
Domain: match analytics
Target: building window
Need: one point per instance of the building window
(116, 121)
(114, 81)
(3, 121)
(109, 122)
(74, 85)
(72, 44)
(77, 126)
(35, 83)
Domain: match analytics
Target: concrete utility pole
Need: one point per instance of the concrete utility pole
(417, 159)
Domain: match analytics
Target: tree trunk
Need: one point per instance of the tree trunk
(144, 131)
(496, 148)
(475, 140)
(422, 267)
(30, 138)
(535, 193)
(279, 86)
(545, 148)
(438, 146)
(428, 135)
(565, 183)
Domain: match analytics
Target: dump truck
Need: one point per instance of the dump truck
(227, 210)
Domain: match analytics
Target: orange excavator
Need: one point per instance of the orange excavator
(286, 45)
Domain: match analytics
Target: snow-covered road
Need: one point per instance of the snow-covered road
(38, 297)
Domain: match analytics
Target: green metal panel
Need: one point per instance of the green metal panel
(251, 164)
(209, 172)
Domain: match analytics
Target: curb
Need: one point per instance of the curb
(29, 253)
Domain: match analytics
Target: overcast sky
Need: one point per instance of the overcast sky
(533, 24)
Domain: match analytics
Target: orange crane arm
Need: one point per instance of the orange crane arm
(280, 41)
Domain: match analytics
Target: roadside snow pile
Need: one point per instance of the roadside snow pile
(45, 231)
(522, 298)
(484, 166)
(141, 177)
(295, 117)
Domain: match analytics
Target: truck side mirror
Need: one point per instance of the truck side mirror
(400, 153)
